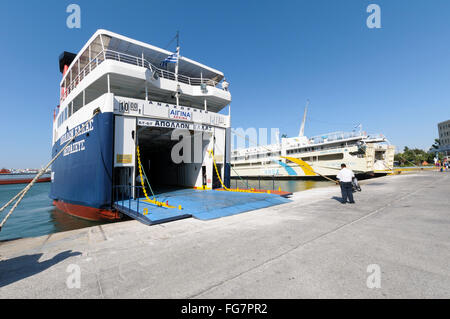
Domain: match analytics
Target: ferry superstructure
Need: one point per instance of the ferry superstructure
(319, 155)
(115, 96)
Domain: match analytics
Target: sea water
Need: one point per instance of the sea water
(35, 215)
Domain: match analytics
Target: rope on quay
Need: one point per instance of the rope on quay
(24, 191)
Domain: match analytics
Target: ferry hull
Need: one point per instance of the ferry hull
(82, 176)
(86, 212)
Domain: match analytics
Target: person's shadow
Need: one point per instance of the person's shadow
(339, 199)
(18, 268)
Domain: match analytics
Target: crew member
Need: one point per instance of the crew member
(225, 84)
(345, 177)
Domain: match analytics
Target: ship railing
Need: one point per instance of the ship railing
(125, 195)
(139, 61)
(375, 137)
(335, 136)
(88, 68)
(134, 60)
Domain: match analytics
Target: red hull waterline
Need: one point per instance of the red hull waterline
(23, 181)
(85, 212)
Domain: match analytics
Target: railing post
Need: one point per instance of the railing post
(138, 198)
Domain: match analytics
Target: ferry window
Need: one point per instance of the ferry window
(331, 157)
(77, 102)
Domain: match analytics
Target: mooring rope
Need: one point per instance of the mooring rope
(24, 191)
(232, 189)
(11, 200)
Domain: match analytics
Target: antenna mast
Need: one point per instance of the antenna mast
(302, 128)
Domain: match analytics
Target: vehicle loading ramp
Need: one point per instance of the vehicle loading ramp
(200, 204)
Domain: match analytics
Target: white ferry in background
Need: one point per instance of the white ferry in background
(319, 155)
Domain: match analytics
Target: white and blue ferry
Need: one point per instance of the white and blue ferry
(115, 96)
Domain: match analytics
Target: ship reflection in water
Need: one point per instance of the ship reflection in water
(35, 216)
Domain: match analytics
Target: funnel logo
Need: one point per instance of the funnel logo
(180, 115)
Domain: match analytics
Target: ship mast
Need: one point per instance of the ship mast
(302, 127)
(177, 93)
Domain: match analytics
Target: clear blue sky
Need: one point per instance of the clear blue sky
(276, 54)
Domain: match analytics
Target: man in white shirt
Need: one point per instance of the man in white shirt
(345, 177)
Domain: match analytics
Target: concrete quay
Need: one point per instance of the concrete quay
(312, 247)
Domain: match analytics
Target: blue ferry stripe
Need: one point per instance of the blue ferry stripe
(289, 170)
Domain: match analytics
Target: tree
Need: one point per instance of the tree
(413, 157)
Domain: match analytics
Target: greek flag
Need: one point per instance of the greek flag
(173, 58)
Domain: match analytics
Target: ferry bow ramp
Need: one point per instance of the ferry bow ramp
(200, 204)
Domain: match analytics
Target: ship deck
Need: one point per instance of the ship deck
(200, 204)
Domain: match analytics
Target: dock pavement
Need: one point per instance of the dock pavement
(393, 243)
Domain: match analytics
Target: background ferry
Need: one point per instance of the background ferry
(319, 155)
(22, 178)
(116, 94)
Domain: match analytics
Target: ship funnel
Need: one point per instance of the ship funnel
(302, 128)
